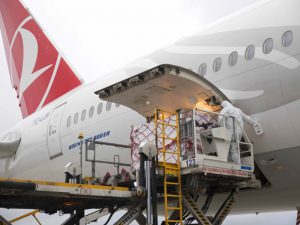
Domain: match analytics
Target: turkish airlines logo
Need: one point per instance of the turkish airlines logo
(29, 61)
(30, 52)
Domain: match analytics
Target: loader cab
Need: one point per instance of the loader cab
(207, 141)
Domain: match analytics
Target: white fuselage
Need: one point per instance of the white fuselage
(43, 155)
(266, 87)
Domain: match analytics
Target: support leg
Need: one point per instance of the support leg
(134, 213)
(141, 219)
(199, 214)
(224, 209)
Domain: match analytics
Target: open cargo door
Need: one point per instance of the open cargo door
(165, 87)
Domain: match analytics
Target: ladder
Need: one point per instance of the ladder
(172, 174)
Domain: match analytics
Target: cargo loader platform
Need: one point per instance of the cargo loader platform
(53, 196)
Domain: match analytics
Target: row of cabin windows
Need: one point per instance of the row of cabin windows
(287, 39)
(91, 113)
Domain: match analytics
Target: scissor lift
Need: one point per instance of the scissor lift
(205, 144)
(199, 168)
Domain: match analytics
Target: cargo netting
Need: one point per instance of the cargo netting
(146, 133)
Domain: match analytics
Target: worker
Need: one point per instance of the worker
(230, 112)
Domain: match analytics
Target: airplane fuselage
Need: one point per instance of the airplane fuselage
(265, 85)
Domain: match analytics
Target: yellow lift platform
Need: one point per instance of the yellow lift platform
(50, 197)
(46, 195)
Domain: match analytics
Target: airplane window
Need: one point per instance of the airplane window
(232, 59)
(250, 52)
(108, 106)
(83, 115)
(287, 38)
(75, 118)
(91, 112)
(99, 109)
(202, 69)
(69, 121)
(117, 105)
(268, 46)
(217, 64)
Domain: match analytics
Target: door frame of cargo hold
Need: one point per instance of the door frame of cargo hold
(166, 87)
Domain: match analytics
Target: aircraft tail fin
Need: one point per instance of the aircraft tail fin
(38, 71)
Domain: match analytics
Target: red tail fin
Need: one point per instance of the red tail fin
(37, 70)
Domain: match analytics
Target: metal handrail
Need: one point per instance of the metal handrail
(226, 116)
(108, 144)
(235, 124)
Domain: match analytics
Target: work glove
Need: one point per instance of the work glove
(258, 128)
